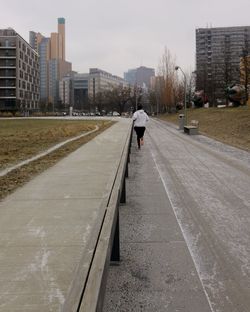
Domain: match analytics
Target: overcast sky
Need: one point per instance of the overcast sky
(116, 35)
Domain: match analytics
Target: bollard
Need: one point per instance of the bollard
(181, 121)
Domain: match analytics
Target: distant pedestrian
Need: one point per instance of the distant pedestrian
(140, 119)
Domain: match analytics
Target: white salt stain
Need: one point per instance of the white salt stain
(40, 264)
(210, 280)
(242, 253)
(37, 232)
(44, 260)
(86, 233)
(56, 294)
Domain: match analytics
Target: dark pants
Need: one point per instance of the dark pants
(140, 133)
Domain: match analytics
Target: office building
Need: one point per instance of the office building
(100, 80)
(140, 76)
(218, 54)
(80, 90)
(52, 62)
(130, 76)
(43, 50)
(73, 91)
(80, 87)
(19, 73)
(66, 92)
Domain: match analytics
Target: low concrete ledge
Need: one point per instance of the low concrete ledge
(87, 292)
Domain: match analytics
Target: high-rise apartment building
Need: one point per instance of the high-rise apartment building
(218, 54)
(140, 76)
(19, 73)
(52, 62)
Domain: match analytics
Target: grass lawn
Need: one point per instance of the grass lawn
(228, 125)
(21, 139)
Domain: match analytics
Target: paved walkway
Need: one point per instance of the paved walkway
(184, 229)
(46, 225)
(156, 272)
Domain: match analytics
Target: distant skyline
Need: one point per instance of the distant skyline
(117, 35)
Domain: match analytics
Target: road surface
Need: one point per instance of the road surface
(208, 184)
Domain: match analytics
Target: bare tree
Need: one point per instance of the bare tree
(167, 83)
(116, 99)
(123, 97)
(245, 72)
(135, 96)
(99, 101)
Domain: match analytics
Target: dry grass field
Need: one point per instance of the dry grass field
(227, 125)
(21, 139)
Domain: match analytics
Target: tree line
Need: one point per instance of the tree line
(165, 95)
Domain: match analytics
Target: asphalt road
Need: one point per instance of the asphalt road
(208, 184)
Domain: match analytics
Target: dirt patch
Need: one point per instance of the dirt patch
(227, 125)
(18, 177)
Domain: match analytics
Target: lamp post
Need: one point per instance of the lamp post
(136, 97)
(185, 94)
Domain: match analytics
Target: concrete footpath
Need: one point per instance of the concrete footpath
(45, 225)
(156, 272)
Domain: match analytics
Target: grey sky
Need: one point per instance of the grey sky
(116, 35)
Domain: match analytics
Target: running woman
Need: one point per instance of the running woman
(140, 119)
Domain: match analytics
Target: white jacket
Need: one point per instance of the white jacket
(140, 118)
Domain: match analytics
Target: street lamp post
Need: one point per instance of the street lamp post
(136, 100)
(136, 97)
(185, 94)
